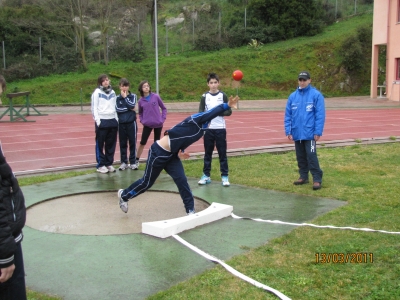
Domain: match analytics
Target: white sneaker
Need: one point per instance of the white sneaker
(225, 181)
(111, 169)
(122, 204)
(123, 166)
(191, 212)
(204, 179)
(102, 170)
(134, 166)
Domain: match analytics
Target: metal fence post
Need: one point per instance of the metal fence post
(4, 56)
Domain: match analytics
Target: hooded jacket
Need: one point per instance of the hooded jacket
(305, 114)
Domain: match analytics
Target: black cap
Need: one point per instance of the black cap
(304, 75)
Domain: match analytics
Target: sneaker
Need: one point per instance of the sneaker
(191, 212)
(123, 166)
(111, 169)
(122, 204)
(134, 166)
(300, 181)
(225, 181)
(204, 179)
(103, 170)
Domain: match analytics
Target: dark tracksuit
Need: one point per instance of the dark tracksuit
(181, 136)
(215, 135)
(304, 118)
(103, 111)
(127, 127)
(106, 141)
(12, 220)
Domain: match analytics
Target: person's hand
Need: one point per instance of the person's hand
(290, 137)
(316, 137)
(233, 101)
(183, 155)
(98, 123)
(124, 93)
(6, 273)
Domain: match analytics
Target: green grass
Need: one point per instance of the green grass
(366, 176)
(269, 72)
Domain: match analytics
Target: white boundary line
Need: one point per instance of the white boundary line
(230, 269)
(313, 225)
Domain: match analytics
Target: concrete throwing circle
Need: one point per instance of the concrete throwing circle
(99, 213)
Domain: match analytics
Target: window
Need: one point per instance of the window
(398, 11)
(397, 68)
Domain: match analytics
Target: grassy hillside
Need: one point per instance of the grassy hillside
(269, 72)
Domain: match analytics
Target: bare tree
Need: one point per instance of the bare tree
(70, 22)
(104, 13)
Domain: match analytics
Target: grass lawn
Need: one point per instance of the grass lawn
(366, 176)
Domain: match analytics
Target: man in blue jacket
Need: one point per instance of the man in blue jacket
(304, 124)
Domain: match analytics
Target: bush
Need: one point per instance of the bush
(207, 43)
(128, 50)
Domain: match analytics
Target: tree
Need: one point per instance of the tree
(292, 18)
(70, 23)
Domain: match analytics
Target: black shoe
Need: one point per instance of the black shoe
(300, 181)
(316, 186)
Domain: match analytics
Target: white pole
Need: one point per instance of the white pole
(245, 18)
(156, 42)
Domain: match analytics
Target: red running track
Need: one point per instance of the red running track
(63, 140)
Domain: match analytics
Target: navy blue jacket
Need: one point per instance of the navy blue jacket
(12, 213)
(192, 128)
(124, 108)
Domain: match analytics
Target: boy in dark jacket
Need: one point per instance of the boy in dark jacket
(127, 127)
(12, 220)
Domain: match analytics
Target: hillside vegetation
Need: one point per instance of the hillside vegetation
(270, 70)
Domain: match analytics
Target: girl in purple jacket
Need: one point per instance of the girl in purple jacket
(150, 115)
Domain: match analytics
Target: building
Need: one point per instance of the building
(386, 32)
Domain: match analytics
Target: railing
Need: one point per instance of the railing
(16, 115)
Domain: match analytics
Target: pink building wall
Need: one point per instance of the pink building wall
(386, 31)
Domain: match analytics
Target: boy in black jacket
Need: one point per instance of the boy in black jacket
(127, 127)
(12, 220)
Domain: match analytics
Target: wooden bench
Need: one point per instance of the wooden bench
(16, 115)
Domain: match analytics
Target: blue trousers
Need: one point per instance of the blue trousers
(215, 138)
(127, 133)
(307, 160)
(14, 288)
(158, 160)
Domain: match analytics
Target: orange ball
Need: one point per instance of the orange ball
(237, 75)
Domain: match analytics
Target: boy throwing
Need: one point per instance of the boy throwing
(165, 155)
